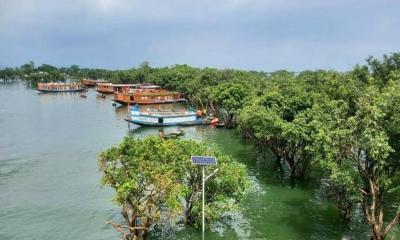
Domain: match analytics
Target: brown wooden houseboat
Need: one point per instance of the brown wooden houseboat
(146, 95)
(60, 87)
(109, 88)
(92, 82)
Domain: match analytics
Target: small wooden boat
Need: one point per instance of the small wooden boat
(54, 87)
(157, 118)
(211, 121)
(82, 95)
(173, 135)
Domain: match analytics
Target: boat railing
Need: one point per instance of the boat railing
(59, 86)
(166, 113)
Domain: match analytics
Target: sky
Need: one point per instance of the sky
(265, 35)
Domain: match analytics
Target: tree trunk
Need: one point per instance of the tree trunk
(344, 205)
(188, 209)
(374, 212)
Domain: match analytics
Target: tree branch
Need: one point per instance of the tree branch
(120, 227)
(392, 224)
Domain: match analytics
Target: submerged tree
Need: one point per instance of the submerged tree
(361, 154)
(145, 184)
(154, 178)
(376, 138)
(226, 99)
(271, 119)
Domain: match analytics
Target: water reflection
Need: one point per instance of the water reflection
(121, 111)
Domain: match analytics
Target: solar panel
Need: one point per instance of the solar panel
(204, 160)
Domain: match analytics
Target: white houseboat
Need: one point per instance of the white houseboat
(163, 118)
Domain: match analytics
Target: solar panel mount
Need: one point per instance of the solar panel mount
(204, 160)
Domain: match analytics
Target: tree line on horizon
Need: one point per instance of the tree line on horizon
(343, 125)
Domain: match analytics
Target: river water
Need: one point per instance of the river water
(50, 185)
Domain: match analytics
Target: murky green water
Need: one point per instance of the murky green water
(49, 183)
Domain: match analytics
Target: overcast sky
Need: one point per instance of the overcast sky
(248, 34)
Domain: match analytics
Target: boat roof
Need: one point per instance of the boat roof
(126, 85)
(149, 86)
(59, 83)
(105, 83)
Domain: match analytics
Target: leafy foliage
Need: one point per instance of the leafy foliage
(155, 177)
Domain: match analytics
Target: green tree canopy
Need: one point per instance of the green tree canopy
(155, 177)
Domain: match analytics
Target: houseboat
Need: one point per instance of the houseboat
(163, 118)
(60, 87)
(146, 94)
(109, 88)
(92, 82)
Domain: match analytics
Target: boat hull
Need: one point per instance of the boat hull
(150, 124)
(105, 91)
(61, 91)
(89, 84)
(122, 102)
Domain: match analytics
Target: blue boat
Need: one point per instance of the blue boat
(163, 118)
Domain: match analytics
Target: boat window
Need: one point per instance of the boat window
(160, 120)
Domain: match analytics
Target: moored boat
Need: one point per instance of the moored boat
(163, 118)
(155, 96)
(54, 87)
(211, 121)
(105, 88)
(92, 82)
(109, 88)
(146, 94)
(172, 135)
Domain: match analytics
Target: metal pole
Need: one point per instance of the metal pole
(203, 225)
(127, 117)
